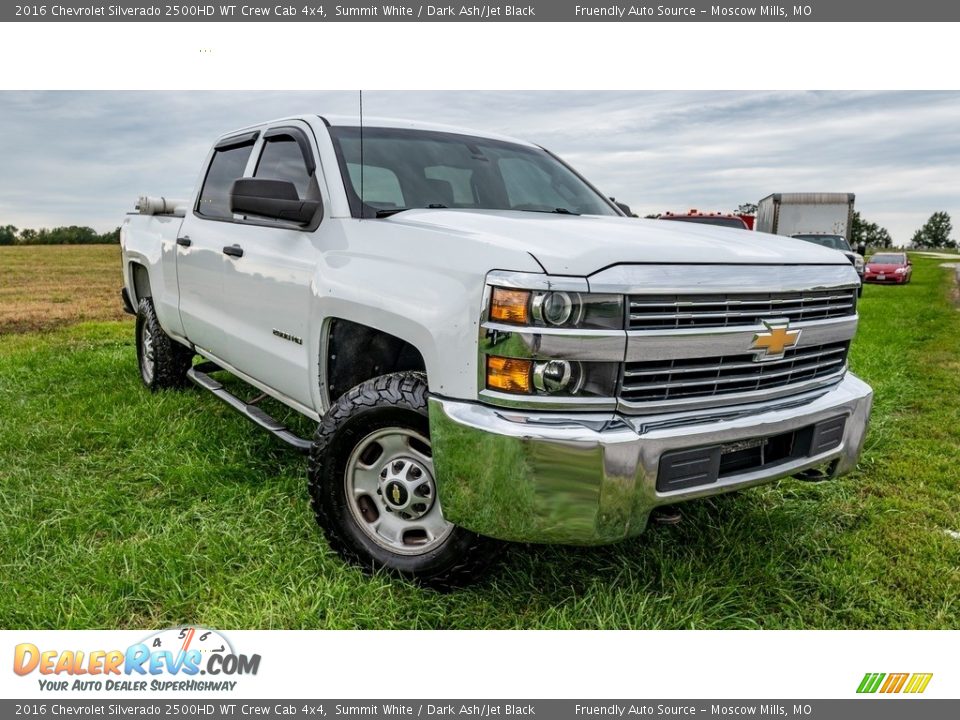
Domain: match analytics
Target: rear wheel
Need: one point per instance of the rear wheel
(373, 488)
(163, 362)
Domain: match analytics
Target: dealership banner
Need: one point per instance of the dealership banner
(470, 709)
(519, 11)
(480, 673)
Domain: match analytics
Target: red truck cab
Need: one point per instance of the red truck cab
(718, 218)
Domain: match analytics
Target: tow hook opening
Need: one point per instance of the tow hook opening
(666, 515)
(818, 474)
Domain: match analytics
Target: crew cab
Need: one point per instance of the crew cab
(490, 348)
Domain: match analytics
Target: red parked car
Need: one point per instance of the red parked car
(888, 268)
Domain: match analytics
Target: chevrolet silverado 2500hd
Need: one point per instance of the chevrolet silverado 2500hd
(490, 348)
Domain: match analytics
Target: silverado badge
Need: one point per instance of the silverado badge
(774, 341)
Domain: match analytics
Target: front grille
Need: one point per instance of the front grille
(658, 380)
(658, 312)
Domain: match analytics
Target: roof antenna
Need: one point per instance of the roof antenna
(362, 204)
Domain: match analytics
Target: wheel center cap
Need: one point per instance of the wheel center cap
(396, 494)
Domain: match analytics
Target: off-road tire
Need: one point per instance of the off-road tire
(171, 360)
(398, 400)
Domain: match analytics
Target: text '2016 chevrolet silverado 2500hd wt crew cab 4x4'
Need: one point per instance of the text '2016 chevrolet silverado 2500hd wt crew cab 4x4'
(492, 350)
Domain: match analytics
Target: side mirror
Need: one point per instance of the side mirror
(623, 207)
(274, 199)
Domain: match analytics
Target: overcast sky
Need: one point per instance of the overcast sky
(83, 157)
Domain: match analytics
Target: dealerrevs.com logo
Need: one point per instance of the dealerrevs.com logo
(172, 659)
(891, 683)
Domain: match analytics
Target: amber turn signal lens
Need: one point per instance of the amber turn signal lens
(510, 306)
(509, 374)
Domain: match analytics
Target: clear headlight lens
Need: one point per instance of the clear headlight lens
(557, 309)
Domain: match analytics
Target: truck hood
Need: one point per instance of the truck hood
(582, 245)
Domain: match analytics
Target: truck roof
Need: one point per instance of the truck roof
(811, 198)
(373, 121)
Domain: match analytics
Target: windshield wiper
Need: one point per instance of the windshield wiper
(387, 212)
(563, 211)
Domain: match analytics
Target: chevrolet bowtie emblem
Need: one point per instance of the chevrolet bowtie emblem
(772, 342)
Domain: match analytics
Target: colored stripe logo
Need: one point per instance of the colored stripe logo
(913, 683)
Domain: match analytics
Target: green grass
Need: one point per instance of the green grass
(123, 509)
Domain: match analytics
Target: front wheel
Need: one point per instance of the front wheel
(163, 361)
(373, 488)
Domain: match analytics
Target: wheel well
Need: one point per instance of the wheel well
(355, 353)
(141, 281)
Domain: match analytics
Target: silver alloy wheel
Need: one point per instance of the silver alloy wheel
(391, 492)
(147, 353)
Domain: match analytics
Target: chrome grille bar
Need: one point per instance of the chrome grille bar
(656, 312)
(661, 380)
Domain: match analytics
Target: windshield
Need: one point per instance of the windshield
(834, 242)
(405, 169)
(889, 259)
(721, 221)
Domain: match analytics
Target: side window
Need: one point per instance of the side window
(282, 159)
(227, 165)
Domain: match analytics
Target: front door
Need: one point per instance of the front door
(271, 284)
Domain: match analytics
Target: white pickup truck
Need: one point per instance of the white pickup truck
(491, 348)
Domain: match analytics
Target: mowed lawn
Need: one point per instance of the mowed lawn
(122, 508)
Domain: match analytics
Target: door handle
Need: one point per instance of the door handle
(184, 241)
(233, 251)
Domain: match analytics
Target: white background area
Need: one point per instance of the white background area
(306, 56)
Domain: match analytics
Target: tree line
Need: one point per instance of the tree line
(66, 235)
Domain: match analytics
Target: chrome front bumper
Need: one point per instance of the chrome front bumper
(586, 479)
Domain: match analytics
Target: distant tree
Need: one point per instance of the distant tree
(868, 233)
(8, 235)
(652, 216)
(935, 232)
(746, 209)
(110, 237)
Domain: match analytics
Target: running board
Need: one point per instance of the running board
(199, 375)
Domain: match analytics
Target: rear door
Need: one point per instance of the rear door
(206, 231)
(270, 285)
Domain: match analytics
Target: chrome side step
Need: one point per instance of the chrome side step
(198, 374)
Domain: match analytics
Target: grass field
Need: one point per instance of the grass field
(46, 286)
(123, 509)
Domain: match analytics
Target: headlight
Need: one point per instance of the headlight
(554, 308)
(562, 378)
(900, 271)
(557, 309)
